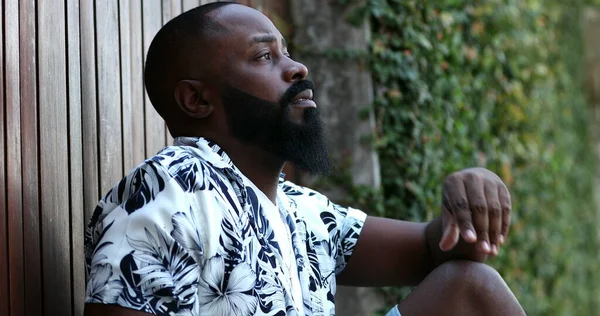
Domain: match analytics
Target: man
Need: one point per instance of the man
(208, 227)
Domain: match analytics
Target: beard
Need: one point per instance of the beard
(269, 126)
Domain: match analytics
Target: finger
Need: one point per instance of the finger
(495, 250)
(474, 185)
(451, 232)
(506, 206)
(455, 200)
(494, 212)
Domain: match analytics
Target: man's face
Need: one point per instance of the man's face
(264, 93)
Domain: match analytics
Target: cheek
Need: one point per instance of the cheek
(265, 84)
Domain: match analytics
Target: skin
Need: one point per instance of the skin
(261, 67)
(475, 214)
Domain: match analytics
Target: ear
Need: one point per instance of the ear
(191, 96)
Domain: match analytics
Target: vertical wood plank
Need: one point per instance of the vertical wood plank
(190, 4)
(176, 7)
(13, 157)
(171, 9)
(109, 93)
(29, 150)
(167, 11)
(136, 118)
(54, 169)
(75, 157)
(126, 103)
(155, 127)
(167, 15)
(4, 293)
(91, 192)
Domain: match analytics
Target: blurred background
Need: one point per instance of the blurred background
(410, 91)
(513, 86)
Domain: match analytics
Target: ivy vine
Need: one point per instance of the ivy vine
(494, 84)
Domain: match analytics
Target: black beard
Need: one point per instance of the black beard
(268, 125)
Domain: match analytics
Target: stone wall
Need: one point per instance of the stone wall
(343, 89)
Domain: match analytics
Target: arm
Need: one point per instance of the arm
(391, 252)
(378, 258)
(397, 252)
(142, 249)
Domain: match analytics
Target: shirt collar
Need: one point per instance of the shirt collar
(212, 153)
(209, 151)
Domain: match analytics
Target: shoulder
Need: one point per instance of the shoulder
(170, 174)
(184, 167)
(310, 201)
(295, 191)
(309, 197)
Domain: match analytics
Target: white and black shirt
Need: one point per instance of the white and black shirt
(185, 233)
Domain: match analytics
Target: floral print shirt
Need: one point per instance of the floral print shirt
(183, 235)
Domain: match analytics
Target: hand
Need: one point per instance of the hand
(477, 206)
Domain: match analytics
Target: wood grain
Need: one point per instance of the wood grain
(4, 293)
(13, 158)
(167, 11)
(176, 7)
(171, 9)
(109, 94)
(137, 139)
(75, 157)
(53, 158)
(29, 150)
(190, 4)
(91, 192)
(155, 126)
(74, 117)
(126, 102)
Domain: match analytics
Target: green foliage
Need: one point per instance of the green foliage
(493, 84)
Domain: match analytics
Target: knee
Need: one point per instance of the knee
(477, 279)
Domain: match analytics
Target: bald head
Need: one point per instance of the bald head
(223, 71)
(180, 51)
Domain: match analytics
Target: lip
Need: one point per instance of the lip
(304, 103)
(304, 98)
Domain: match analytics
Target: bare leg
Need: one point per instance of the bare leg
(462, 288)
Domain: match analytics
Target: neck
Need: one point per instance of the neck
(257, 165)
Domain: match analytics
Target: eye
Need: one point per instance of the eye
(265, 56)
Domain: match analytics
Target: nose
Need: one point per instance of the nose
(295, 71)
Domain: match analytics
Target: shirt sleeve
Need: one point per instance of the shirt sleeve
(348, 227)
(336, 226)
(142, 245)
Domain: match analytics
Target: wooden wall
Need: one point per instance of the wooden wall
(74, 118)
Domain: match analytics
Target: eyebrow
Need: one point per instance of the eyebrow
(268, 38)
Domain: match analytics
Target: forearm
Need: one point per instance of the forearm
(388, 253)
(393, 253)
